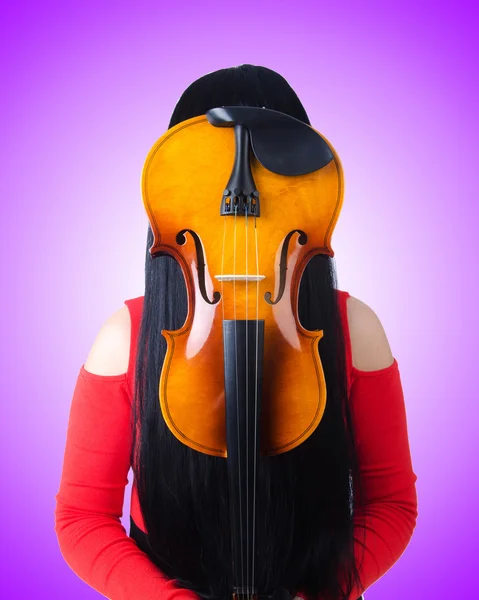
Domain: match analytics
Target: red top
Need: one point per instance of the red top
(89, 502)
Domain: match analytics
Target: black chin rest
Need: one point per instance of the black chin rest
(282, 144)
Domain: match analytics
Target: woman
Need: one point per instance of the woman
(337, 511)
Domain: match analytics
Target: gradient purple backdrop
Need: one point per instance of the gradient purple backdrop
(88, 87)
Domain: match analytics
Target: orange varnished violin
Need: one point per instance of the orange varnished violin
(243, 198)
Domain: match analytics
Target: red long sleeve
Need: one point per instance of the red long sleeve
(390, 512)
(385, 524)
(89, 502)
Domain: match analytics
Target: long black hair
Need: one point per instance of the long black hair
(305, 536)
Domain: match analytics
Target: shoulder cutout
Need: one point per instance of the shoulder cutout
(109, 354)
(369, 344)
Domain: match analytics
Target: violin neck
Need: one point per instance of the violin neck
(243, 344)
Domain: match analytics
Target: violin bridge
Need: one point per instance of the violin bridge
(239, 277)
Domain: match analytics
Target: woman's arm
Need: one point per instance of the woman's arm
(385, 520)
(96, 462)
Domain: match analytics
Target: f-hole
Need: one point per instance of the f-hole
(200, 261)
(302, 239)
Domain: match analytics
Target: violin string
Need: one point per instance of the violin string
(247, 401)
(237, 399)
(222, 268)
(255, 392)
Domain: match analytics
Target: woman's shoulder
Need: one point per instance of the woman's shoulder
(369, 344)
(110, 352)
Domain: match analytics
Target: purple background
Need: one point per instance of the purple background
(88, 87)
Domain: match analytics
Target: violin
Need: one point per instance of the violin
(242, 198)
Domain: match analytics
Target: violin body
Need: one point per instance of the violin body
(265, 257)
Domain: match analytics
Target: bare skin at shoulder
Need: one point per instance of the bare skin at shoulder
(110, 351)
(369, 343)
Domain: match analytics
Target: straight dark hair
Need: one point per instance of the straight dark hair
(305, 497)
